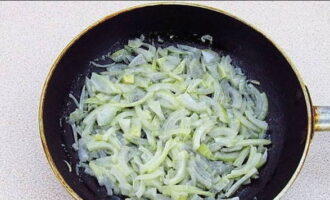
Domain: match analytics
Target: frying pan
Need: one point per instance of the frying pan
(292, 118)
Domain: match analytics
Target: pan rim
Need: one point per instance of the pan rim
(308, 102)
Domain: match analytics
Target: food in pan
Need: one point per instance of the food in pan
(173, 122)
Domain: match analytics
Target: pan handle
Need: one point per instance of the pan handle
(321, 118)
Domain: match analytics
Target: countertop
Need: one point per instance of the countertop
(32, 34)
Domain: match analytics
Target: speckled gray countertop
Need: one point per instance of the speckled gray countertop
(32, 34)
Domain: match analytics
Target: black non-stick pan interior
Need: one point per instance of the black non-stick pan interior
(250, 50)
